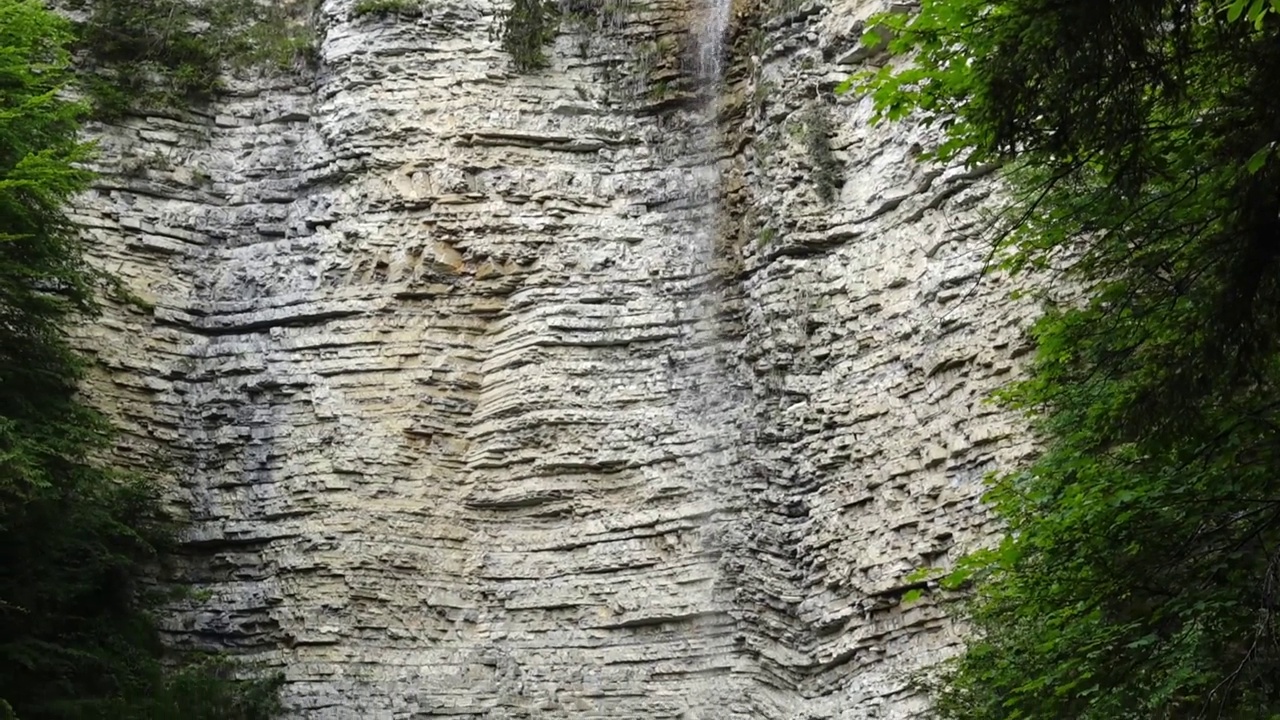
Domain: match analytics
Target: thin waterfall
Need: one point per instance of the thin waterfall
(712, 32)
(706, 401)
(706, 396)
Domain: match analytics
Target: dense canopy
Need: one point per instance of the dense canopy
(1140, 577)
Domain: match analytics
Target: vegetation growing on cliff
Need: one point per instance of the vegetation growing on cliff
(170, 53)
(77, 537)
(387, 7)
(1140, 577)
(825, 171)
(525, 27)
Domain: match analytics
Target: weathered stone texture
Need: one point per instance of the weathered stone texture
(477, 409)
(871, 346)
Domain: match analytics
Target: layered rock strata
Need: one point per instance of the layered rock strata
(469, 414)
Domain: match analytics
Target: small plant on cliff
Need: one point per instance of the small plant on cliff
(524, 29)
(1140, 574)
(825, 170)
(77, 537)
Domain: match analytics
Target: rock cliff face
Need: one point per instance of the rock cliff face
(559, 395)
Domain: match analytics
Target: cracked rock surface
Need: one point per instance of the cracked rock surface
(542, 396)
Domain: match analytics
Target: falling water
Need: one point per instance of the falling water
(707, 403)
(699, 308)
(711, 38)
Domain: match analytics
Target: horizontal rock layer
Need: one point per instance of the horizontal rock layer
(539, 395)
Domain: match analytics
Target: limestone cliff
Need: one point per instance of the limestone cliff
(542, 396)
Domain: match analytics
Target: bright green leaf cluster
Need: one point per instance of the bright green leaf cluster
(1254, 11)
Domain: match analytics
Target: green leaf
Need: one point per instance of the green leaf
(922, 573)
(1259, 158)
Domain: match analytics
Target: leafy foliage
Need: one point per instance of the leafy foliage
(76, 537)
(1140, 576)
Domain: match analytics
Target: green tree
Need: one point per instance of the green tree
(1140, 573)
(76, 536)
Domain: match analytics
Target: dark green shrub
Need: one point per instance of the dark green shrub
(78, 538)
